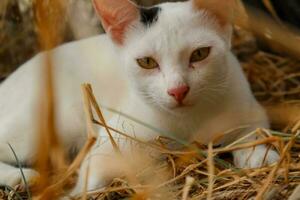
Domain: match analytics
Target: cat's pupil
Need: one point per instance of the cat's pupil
(199, 53)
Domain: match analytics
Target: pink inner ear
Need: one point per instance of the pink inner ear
(116, 16)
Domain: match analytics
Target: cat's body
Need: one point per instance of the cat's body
(20, 96)
(150, 75)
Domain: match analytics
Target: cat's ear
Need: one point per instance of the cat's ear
(222, 9)
(116, 16)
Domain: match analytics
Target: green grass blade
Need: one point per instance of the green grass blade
(21, 170)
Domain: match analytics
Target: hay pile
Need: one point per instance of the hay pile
(201, 172)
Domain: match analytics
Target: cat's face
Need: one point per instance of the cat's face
(174, 53)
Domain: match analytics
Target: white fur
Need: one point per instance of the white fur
(219, 99)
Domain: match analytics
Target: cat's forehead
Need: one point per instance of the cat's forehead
(172, 24)
(168, 18)
(170, 28)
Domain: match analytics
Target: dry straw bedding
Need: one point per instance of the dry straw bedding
(198, 172)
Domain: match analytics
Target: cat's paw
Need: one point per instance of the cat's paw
(256, 157)
(15, 178)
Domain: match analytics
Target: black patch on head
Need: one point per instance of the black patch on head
(149, 15)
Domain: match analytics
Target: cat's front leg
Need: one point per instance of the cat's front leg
(260, 155)
(98, 169)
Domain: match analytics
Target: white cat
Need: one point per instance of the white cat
(170, 64)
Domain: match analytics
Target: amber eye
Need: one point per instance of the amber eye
(147, 63)
(200, 54)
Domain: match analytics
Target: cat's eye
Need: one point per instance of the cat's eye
(147, 63)
(200, 54)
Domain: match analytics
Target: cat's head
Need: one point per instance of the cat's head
(174, 53)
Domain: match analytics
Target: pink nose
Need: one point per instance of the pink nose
(179, 93)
